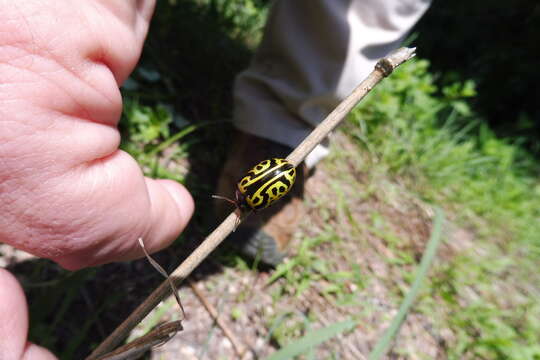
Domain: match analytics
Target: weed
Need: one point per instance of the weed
(307, 268)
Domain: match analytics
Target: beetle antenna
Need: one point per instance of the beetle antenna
(224, 198)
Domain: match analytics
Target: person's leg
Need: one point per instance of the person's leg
(313, 54)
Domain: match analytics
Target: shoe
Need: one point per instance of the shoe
(263, 235)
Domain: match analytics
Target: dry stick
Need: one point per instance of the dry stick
(383, 68)
(237, 345)
(181, 273)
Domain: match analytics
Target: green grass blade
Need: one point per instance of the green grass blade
(383, 344)
(312, 339)
(282, 270)
(179, 135)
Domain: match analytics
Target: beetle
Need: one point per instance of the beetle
(262, 185)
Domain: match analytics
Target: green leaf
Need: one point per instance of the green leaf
(384, 342)
(312, 339)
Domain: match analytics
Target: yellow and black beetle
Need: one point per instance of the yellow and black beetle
(265, 183)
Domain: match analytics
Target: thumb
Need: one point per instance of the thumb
(171, 210)
(14, 323)
(120, 205)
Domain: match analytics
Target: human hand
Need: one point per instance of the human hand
(66, 192)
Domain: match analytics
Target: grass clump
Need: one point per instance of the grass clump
(431, 138)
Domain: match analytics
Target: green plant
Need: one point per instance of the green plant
(311, 339)
(306, 268)
(433, 140)
(383, 344)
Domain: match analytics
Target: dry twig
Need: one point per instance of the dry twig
(383, 68)
(237, 345)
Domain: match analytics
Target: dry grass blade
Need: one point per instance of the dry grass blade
(166, 276)
(237, 345)
(137, 347)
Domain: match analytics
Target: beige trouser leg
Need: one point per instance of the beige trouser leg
(313, 54)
